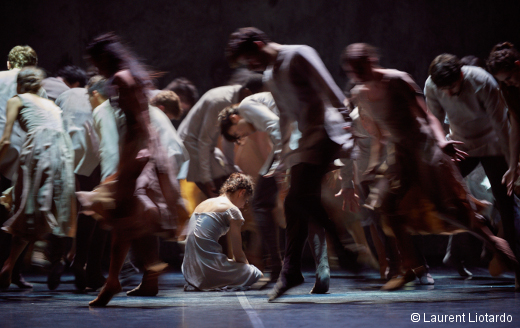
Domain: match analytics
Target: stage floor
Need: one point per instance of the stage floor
(353, 301)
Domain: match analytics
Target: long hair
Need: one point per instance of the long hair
(109, 50)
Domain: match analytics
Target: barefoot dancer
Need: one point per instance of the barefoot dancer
(396, 104)
(142, 199)
(43, 194)
(205, 267)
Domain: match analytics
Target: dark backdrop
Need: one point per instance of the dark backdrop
(187, 38)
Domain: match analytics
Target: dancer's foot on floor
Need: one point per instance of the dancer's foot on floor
(401, 280)
(106, 295)
(21, 283)
(54, 277)
(505, 253)
(459, 265)
(284, 283)
(426, 279)
(321, 286)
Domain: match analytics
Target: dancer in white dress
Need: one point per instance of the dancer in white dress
(205, 267)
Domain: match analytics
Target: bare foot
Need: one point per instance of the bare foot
(106, 294)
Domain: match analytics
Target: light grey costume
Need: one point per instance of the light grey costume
(200, 131)
(54, 87)
(204, 265)
(78, 122)
(8, 85)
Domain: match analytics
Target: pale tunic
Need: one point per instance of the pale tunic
(477, 116)
(169, 138)
(43, 197)
(8, 85)
(108, 124)
(305, 92)
(54, 87)
(200, 132)
(204, 265)
(78, 121)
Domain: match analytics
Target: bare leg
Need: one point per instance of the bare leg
(118, 254)
(17, 247)
(411, 264)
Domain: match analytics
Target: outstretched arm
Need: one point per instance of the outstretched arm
(13, 108)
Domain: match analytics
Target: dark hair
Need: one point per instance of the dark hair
(184, 88)
(472, 61)
(254, 83)
(357, 51)
(502, 58)
(21, 56)
(242, 41)
(109, 51)
(72, 74)
(238, 181)
(97, 83)
(445, 70)
(225, 122)
(29, 79)
(169, 100)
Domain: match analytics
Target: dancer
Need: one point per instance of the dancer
(43, 194)
(419, 161)
(188, 95)
(258, 113)
(18, 57)
(67, 78)
(142, 199)
(304, 92)
(209, 167)
(477, 114)
(504, 64)
(205, 267)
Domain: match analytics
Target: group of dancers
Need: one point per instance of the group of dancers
(401, 153)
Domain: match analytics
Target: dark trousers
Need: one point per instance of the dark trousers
(495, 168)
(263, 204)
(303, 205)
(90, 237)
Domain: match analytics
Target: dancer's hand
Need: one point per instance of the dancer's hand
(448, 147)
(350, 198)
(509, 179)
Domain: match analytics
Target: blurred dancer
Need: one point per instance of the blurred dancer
(188, 96)
(43, 194)
(477, 115)
(504, 64)
(17, 58)
(304, 92)
(258, 113)
(208, 166)
(142, 199)
(78, 122)
(205, 267)
(67, 78)
(396, 105)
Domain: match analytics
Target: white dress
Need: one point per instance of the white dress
(205, 266)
